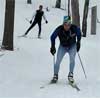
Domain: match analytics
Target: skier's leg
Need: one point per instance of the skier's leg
(60, 54)
(72, 53)
(33, 24)
(39, 34)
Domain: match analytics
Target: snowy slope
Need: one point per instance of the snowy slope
(30, 66)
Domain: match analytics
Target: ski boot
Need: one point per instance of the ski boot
(39, 36)
(55, 79)
(70, 77)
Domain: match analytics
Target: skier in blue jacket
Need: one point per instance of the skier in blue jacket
(70, 38)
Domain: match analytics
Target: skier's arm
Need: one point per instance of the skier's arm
(78, 34)
(54, 36)
(33, 15)
(45, 18)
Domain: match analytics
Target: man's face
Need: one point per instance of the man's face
(66, 26)
(40, 8)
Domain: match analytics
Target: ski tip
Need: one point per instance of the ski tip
(42, 87)
(74, 86)
(78, 89)
(22, 36)
(1, 55)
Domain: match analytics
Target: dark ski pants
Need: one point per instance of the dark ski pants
(32, 25)
(60, 54)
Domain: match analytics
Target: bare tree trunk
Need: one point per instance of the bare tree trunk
(68, 7)
(85, 15)
(75, 12)
(9, 25)
(93, 20)
(58, 3)
(29, 1)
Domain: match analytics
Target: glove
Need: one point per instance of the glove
(31, 22)
(53, 50)
(46, 21)
(78, 46)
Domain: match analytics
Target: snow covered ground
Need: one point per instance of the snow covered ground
(30, 66)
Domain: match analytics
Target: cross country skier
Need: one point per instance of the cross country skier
(67, 34)
(37, 20)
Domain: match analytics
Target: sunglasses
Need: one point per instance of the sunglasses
(67, 24)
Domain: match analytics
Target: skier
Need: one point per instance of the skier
(37, 20)
(67, 34)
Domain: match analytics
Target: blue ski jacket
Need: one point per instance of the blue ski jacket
(67, 38)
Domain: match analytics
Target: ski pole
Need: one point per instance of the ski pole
(27, 20)
(82, 66)
(54, 59)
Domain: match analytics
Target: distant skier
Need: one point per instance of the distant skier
(37, 20)
(67, 34)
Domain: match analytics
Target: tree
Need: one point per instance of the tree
(75, 12)
(9, 25)
(58, 4)
(68, 7)
(85, 15)
(94, 20)
(29, 1)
